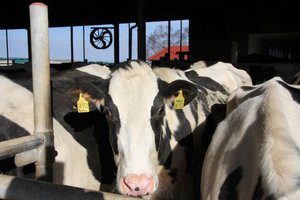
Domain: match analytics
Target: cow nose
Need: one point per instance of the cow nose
(138, 185)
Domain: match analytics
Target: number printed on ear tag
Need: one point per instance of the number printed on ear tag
(82, 104)
(179, 101)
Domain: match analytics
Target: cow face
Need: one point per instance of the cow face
(134, 100)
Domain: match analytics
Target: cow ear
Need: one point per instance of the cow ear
(188, 90)
(90, 93)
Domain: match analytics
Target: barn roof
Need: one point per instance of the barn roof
(214, 24)
(15, 13)
(174, 53)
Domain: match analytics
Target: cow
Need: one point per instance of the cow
(254, 153)
(78, 161)
(159, 120)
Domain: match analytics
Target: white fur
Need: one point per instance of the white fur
(261, 135)
(133, 92)
(96, 70)
(226, 75)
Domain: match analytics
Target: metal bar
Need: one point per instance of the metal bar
(7, 51)
(141, 29)
(25, 158)
(180, 37)
(20, 189)
(169, 40)
(130, 41)
(43, 124)
(116, 43)
(12, 147)
(72, 44)
(83, 43)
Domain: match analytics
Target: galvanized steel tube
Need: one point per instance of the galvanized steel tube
(20, 188)
(12, 147)
(43, 124)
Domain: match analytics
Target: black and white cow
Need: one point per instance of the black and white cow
(158, 149)
(78, 162)
(255, 151)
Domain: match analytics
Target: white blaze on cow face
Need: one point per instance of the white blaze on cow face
(133, 92)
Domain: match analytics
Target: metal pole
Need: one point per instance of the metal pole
(21, 188)
(116, 43)
(43, 124)
(11, 147)
(7, 54)
(130, 41)
(180, 37)
(141, 30)
(28, 44)
(72, 45)
(83, 42)
(169, 40)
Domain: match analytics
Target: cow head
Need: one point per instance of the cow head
(135, 101)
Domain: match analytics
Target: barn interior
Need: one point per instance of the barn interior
(261, 36)
(259, 31)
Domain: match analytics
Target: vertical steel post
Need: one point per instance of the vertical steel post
(7, 51)
(43, 124)
(116, 43)
(72, 44)
(83, 43)
(169, 40)
(141, 29)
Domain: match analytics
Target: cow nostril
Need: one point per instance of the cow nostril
(137, 189)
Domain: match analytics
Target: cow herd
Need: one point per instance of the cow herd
(156, 132)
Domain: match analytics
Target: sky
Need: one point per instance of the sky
(60, 42)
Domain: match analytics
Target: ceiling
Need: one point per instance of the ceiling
(212, 22)
(15, 13)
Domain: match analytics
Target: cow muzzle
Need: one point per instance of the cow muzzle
(137, 185)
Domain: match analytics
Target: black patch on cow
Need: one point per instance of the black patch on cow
(188, 144)
(168, 163)
(205, 82)
(184, 128)
(10, 130)
(165, 151)
(218, 113)
(271, 197)
(295, 92)
(113, 118)
(13, 71)
(194, 108)
(173, 174)
(157, 116)
(202, 99)
(91, 131)
(228, 190)
(258, 191)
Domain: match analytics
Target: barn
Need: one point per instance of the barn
(255, 36)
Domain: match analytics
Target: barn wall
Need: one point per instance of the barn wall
(214, 30)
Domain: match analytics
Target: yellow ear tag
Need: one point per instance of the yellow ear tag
(179, 101)
(82, 104)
